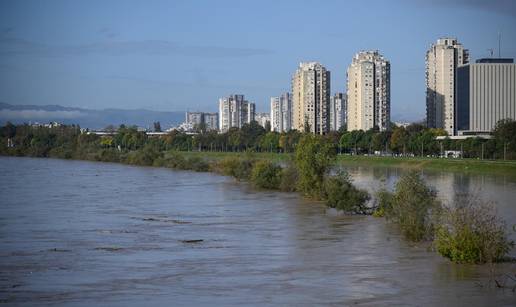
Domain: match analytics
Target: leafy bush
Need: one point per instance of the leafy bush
(144, 156)
(240, 168)
(174, 159)
(108, 155)
(412, 205)
(383, 204)
(470, 232)
(266, 174)
(196, 164)
(289, 177)
(342, 194)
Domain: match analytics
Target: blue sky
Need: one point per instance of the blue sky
(184, 55)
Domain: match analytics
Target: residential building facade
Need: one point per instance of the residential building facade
(234, 111)
(194, 119)
(212, 121)
(485, 94)
(338, 111)
(368, 92)
(442, 60)
(311, 98)
(281, 113)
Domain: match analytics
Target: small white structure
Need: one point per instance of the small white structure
(453, 154)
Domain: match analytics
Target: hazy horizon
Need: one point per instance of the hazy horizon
(184, 55)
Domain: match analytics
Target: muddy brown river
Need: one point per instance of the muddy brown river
(77, 233)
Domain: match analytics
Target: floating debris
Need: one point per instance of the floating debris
(109, 248)
(192, 241)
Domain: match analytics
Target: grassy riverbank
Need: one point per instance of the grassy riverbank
(506, 168)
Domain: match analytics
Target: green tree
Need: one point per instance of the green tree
(313, 158)
(411, 207)
(399, 140)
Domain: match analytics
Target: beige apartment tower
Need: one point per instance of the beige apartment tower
(368, 92)
(311, 98)
(442, 60)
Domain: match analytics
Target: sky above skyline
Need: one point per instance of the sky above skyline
(184, 55)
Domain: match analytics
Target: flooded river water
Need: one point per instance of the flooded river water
(81, 233)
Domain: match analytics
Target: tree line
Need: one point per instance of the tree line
(413, 140)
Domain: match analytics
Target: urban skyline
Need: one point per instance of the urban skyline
(366, 104)
(47, 59)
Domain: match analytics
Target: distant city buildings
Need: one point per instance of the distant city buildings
(338, 111)
(197, 120)
(442, 60)
(461, 98)
(262, 119)
(194, 119)
(281, 113)
(485, 94)
(211, 120)
(234, 111)
(368, 92)
(311, 98)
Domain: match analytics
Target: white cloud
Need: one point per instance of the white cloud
(39, 114)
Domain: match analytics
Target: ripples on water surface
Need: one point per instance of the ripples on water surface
(83, 233)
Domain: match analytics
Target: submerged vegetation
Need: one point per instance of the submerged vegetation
(471, 232)
(411, 207)
(467, 231)
(343, 195)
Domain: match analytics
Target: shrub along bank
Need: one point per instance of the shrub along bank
(466, 231)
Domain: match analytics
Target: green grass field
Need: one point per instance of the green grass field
(453, 165)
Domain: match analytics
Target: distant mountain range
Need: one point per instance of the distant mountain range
(87, 118)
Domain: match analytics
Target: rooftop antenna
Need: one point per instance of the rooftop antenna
(499, 44)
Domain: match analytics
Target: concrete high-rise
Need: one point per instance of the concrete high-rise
(368, 92)
(311, 98)
(281, 113)
(212, 121)
(235, 111)
(194, 119)
(485, 94)
(338, 109)
(442, 60)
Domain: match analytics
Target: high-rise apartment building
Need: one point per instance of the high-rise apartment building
(194, 118)
(311, 98)
(212, 121)
(338, 109)
(485, 94)
(234, 111)
(281, 113)
(442, 60)
(368, 92)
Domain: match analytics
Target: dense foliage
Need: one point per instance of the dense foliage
(266, 174)
(413, 140)
(341, 194)
(411, 206)
(471, 232)
(313, 159)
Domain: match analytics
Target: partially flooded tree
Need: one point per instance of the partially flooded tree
(411, 206)
(471, 232)
(313, 159)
